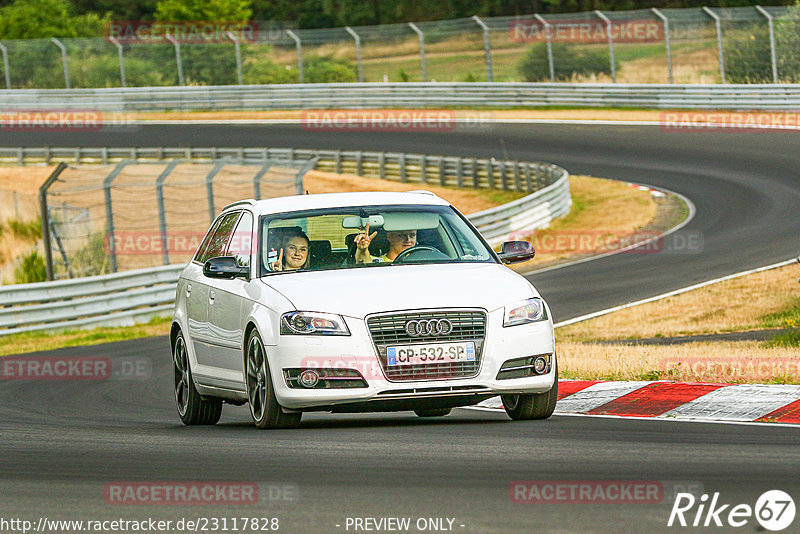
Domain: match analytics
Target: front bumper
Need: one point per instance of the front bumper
(358, 352)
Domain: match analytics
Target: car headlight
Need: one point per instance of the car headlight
(527, 311)
(315, 323)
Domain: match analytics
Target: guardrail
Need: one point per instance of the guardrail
(406, 95)
(112, 299)
(132, 296)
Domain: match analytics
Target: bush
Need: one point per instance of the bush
(568, 61)
(91, 259)
(327, 69)
(31, 269)
(26, 231)
(748, 58)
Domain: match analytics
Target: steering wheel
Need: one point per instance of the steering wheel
(420, 250)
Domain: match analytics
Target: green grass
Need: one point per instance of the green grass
(786, 318)
(38, 341)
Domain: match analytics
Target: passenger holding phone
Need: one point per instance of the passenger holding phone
(293, 254)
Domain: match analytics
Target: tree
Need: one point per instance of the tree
(217, 10)
(36, 19)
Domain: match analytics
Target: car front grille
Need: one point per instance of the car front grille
(390, 330)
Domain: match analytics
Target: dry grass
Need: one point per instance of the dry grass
(725, 362)
(744, 303)
(603, 212)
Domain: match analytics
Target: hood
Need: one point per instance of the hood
(363, 291)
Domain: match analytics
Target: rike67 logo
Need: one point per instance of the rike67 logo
(774, 510)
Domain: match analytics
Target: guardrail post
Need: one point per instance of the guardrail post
(162, 214)
(63, 60)
(517, 181)
(177, 46)
(121, 60)
(528, 182)
(358, 53)
(665, 20)
(475, 179)
(210, 188)
(257, 179)
(112, 248)
(45, 216)
(442, 172)
(403, 176)
(423, 168)
(6, 72)
(774, 57)
(610, 43)
(360, 163)
(503, 176)
(549, 36)
(382, 164)
(299, 46)
(486, 46)
(421, 50)
(718, 24)
(337, 158)
(238, 52)
(459, 172)
(20, 156)
(490, 172)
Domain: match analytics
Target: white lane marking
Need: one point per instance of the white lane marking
(655, 419)
(672, 293)
(486, 120)
(742, 402)
(689, 205)
(597, 395)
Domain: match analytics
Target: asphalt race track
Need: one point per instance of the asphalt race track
(63, 443)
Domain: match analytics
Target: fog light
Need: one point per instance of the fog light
(309, 379)
(540, 365)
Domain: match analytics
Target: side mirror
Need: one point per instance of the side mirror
(224, 267)
(516, 252)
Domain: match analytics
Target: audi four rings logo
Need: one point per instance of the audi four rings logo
(429, 327)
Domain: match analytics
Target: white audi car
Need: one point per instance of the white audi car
(357, 302)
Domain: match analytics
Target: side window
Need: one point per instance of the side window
(201, 250)
(241, 243)
(216, 245)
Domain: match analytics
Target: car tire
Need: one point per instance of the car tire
(433, 412)
(193, 409)
(523, 407)
(264, 407)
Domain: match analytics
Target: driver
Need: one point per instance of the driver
(398, 242)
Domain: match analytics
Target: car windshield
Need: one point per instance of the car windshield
(328, 239)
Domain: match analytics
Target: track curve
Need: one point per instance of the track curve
(63, 441)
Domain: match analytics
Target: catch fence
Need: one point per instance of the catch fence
(693, 45)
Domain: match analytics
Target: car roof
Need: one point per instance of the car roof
(334, 200)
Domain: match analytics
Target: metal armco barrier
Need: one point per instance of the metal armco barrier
(405, 95)
(133, 296)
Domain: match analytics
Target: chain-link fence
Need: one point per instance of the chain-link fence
(128, 215)
(695, 45)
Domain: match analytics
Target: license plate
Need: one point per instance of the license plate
(430, 353)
